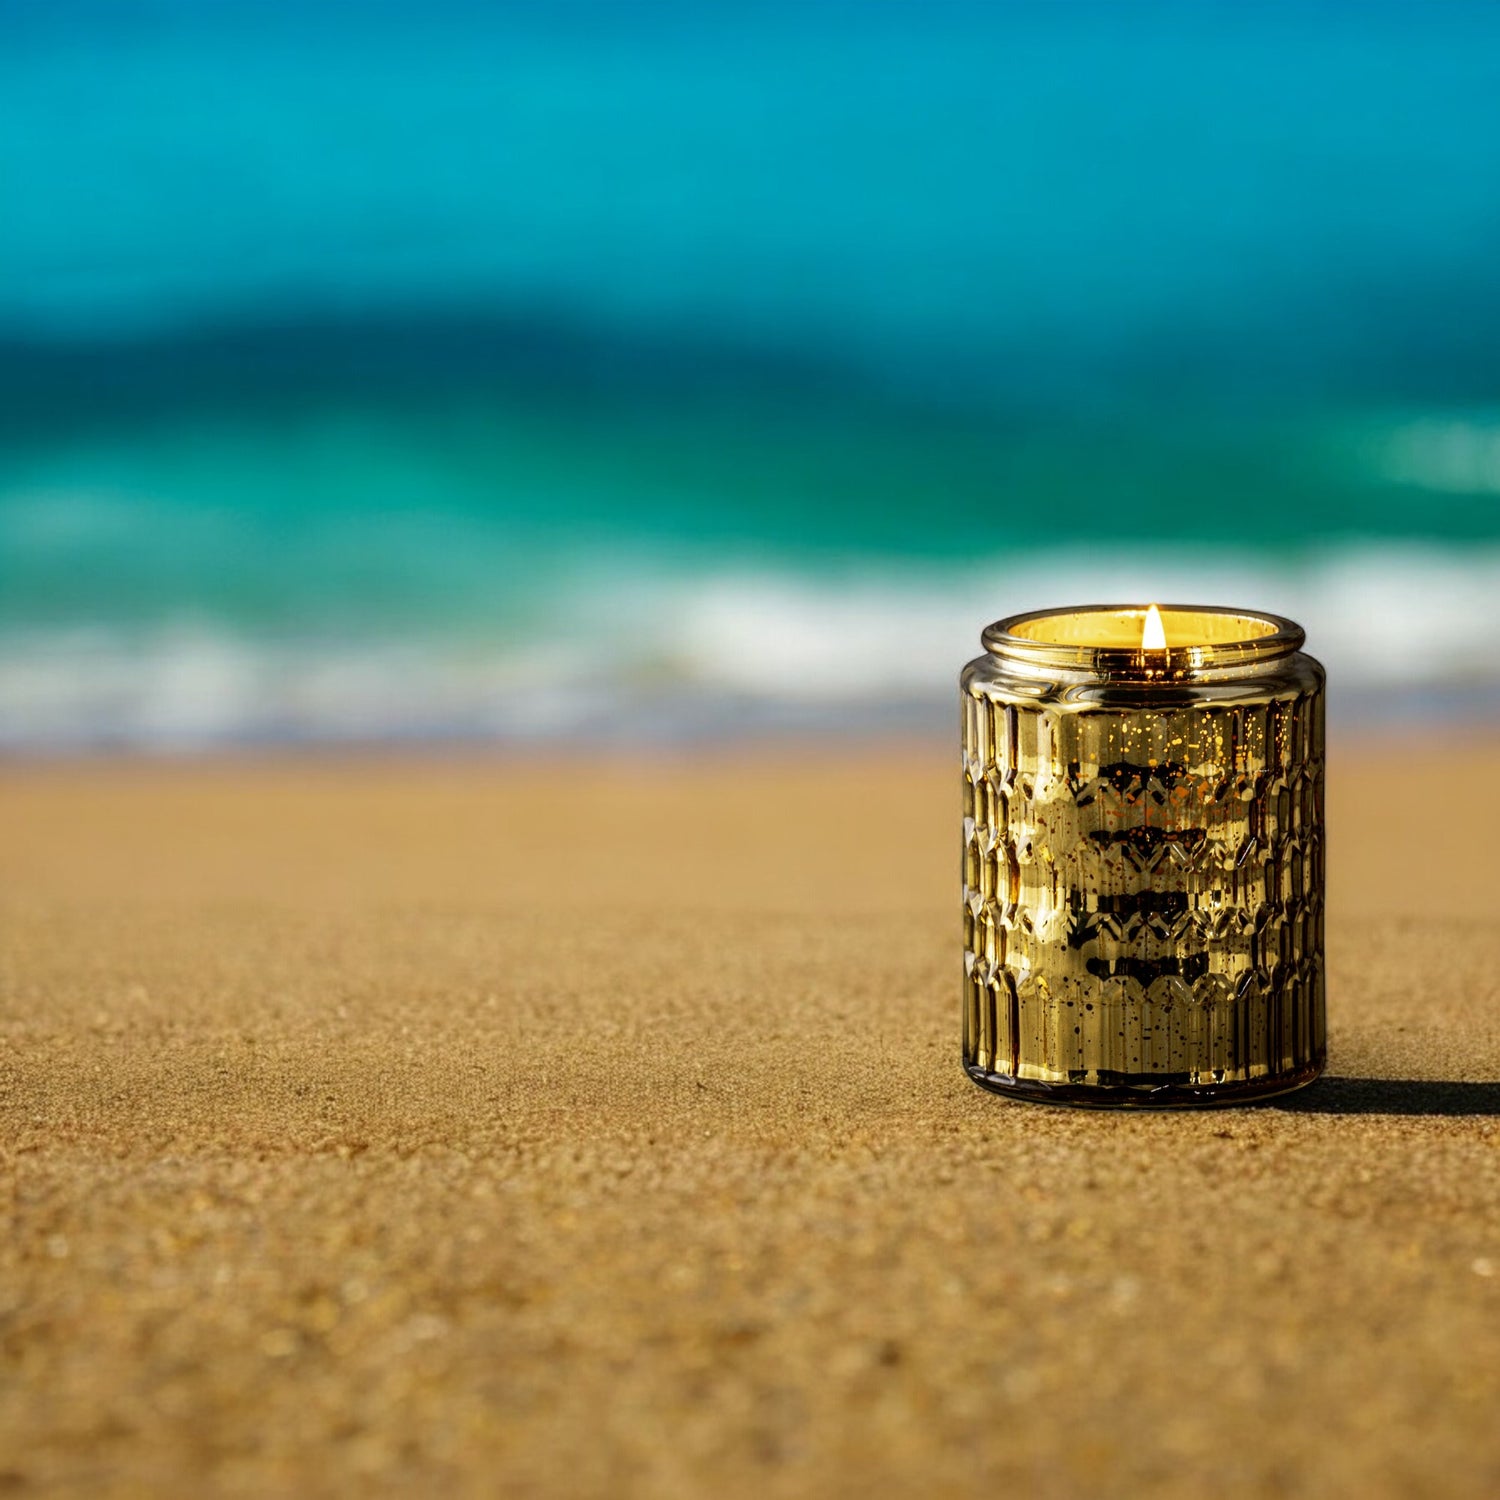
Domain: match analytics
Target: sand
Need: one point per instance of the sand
(454, 1127)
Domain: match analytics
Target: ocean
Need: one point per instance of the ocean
(591, 373)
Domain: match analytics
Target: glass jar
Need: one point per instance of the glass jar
(1143, 857)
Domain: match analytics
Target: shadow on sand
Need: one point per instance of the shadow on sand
(1392, 1096)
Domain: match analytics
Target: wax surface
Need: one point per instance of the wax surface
(1105, 629)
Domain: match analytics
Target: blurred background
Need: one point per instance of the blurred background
(661, 371)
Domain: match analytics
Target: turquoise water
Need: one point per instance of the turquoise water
(555, 370)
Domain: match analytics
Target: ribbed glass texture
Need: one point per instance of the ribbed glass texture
(1143, 872)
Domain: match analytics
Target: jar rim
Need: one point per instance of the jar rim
(1019, 640)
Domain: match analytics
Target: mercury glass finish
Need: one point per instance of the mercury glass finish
(1143, 858)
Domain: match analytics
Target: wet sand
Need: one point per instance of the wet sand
(452, 1126)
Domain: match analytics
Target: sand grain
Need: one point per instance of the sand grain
(452, 1127)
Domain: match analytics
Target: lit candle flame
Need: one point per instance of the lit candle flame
(1153, 636)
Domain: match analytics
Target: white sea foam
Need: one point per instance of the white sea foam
(1457, 454)
(1380, 617)
(675, 652)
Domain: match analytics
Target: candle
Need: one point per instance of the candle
(1143, 857)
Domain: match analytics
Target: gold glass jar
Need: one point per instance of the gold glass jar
(1143, 857)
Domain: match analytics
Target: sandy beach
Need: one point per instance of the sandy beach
(456, 1126)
